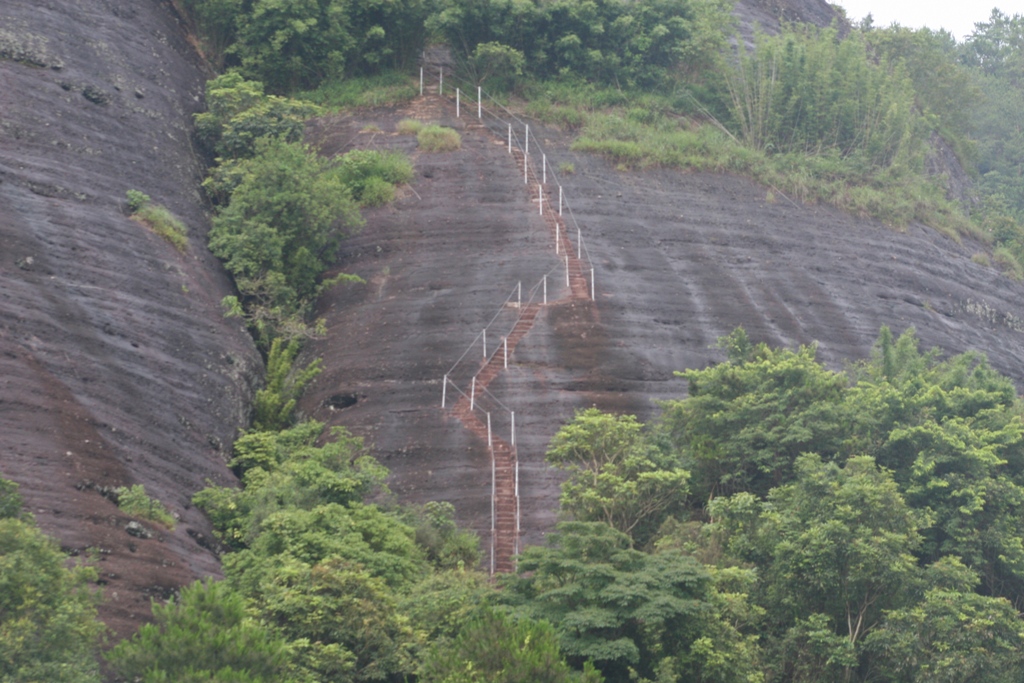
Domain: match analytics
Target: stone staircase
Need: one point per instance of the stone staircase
(505, 538)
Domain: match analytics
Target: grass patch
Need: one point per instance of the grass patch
(641, 129)
(566, 168)
(438, 139)
(1008, 263)
(982, 259)
(409, 127)
(384, 89)
(135, 502)
(158, 218)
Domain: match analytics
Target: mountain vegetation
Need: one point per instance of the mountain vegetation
(783, 522)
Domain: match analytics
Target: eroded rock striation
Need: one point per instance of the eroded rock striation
(116, 364)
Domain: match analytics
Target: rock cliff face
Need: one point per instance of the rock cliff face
(116, 365)
(679, 260)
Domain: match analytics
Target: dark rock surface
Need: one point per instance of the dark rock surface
(680, 259)
(116, 365)
(769, 15)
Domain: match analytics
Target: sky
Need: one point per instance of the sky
(956, 16)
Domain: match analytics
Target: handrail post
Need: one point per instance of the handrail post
(485, 343)
(558, 238)
(472, 395)
(544, 168)
(506, 352)
(513, 427)
(444, 391)
(458, 107)
(421, 81)
(540, 199)
(479, 104)
(545, 290)
(579, 243)
(559, 200)
(593, 296)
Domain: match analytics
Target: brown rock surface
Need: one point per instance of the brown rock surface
(116, 365)
(680, 260)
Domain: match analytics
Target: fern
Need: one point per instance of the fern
(275, 403)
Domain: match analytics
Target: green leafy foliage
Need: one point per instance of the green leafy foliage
(238, 113)
(808, 92)
(215, 20)
(296, 44)
(370, 175)
(278, 234)
(274, 406)
(285, 471)
(48, 626)
(616, 475)
(746, 421)
(379, 89)
(631, 613)
(203, 636)
(494, 648)
(134, 501)
(622, 44)
(447, 546)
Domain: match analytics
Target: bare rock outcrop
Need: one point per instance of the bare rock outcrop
(116, 364)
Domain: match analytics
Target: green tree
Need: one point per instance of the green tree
(747, 420)
(835, 549)
(281, 229)
(951, 634)
(295, 44)
(495, 648)
(616, 475)
(238, 113)
(287, 470)
(203, 636)
(631, 613)
(48, 626)
(341, 621)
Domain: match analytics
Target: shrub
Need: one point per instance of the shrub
(438, 139)
(567, 168)
(136, 200)
(377, 192)
(370, 175)
(409, 127)
(982, 259)
(135, 502)
(157, 218)
(274, 408)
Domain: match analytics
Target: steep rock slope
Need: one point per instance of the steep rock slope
(116, 365)
(680, 259)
